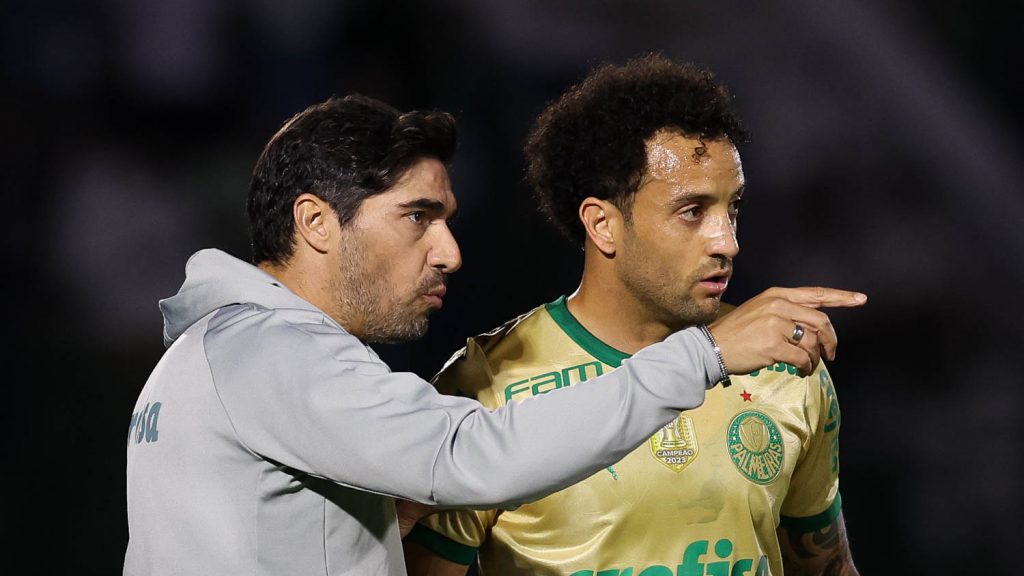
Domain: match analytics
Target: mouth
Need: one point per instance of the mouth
(716, 282)
(435, 296)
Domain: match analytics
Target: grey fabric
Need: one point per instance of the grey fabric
(268, 440)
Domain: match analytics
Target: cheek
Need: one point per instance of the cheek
(666, 250)
(389, 268)
(376, 260)
(669, 258)
(404, 268)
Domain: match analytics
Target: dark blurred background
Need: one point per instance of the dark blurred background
(886, 157)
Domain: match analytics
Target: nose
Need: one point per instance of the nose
(444, 253)
(722, 239)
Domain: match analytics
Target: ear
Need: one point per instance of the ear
(600, 219)
(313, 217)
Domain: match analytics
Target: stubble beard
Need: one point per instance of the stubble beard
(688, 312)
(685, 311)
(386, 319)
(663, 299)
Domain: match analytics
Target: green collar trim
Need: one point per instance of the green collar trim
(580, 335)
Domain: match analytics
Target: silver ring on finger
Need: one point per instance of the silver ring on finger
(798, 334)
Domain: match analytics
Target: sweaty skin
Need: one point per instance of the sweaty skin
(664, 163)
(661, 266)
(666, 264)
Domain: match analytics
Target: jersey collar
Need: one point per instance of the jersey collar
(573, 329)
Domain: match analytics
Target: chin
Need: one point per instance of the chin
(397, 333)
(703, 312)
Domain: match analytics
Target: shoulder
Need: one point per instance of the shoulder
(521, 327)
(258, 332)
(470, 369)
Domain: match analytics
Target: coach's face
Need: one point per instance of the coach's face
(396, 255)
(677, 251)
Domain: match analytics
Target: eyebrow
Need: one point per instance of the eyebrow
(687, 197)
(428, 205)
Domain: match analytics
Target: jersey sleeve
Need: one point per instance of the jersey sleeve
(457, 534)
(467, 373)
(813, 500)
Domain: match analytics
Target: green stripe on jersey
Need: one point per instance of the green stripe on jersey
(571, 326)
(442, 545)
(816, 522)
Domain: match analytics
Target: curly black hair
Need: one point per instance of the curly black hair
(591, 141)
(342, 150)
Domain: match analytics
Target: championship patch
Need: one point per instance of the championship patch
(755, 446)
(675, 445)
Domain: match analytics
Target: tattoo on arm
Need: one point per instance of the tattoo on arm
(824, 552)
(814, 544)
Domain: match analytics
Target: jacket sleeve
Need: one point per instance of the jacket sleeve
(313, 398)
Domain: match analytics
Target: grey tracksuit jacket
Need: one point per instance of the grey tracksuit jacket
(268, 440)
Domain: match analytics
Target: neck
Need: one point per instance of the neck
(612, 313)
(293, 278)
(310, 286)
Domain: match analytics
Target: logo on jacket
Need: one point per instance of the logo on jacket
(675, 445)
(143, 424)
(755, 446)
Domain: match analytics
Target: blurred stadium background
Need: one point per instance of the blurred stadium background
(887, 157)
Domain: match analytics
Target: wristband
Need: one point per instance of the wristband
(725, 381)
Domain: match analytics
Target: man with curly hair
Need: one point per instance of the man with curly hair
(271, 438)
(638, 165)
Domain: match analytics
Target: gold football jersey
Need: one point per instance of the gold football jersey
(703, 495)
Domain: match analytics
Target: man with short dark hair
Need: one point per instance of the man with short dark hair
(638, 165)
(271, 439)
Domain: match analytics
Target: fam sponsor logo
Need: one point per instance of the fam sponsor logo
(549, 381)
(696, 562)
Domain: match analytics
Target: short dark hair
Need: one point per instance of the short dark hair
(342, 150)
(591, 141)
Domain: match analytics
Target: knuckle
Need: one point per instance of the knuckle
(778, 323)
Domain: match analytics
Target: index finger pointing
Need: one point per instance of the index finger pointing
(819, 296)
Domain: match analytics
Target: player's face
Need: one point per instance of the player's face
(396, 255)
(677, 254)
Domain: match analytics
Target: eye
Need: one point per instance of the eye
(693, 213)
(417, 217)
(734, 207)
